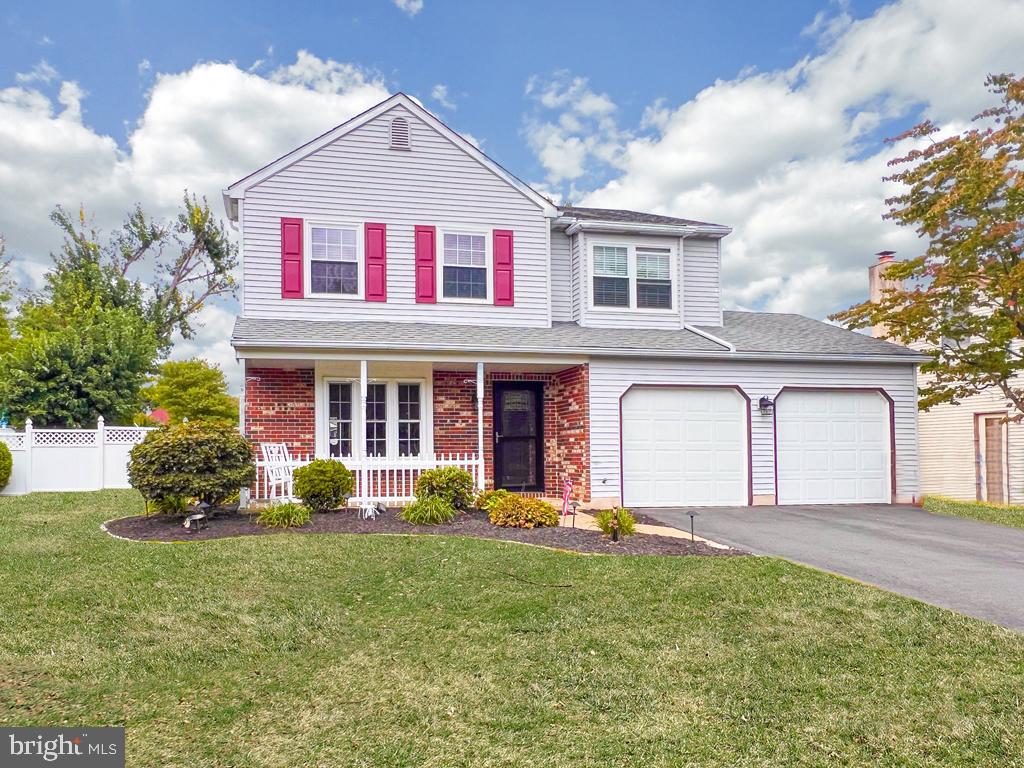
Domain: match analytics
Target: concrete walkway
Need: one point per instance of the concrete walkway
(586, 522)
(968, 566)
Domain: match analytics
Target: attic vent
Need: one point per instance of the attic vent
(400, 133)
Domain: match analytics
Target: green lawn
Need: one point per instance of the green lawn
(299, 650)
(1003, 514)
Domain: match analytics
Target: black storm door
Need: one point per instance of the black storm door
(519, 435)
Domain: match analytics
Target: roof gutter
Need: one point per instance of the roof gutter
(670, 230)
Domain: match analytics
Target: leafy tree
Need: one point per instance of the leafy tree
(961, 299)
(86, 344)
(193, 389)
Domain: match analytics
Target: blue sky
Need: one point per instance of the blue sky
(484, 53)
(768, 117)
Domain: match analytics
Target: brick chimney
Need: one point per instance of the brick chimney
(877, 282)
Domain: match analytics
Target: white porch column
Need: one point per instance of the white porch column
(480, 426)
(359, 437)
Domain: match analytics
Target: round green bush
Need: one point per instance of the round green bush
(520, 512)
(621, 518)
(288, 515)
(428, 510)
(204, 460)
(6, 465)
(323, 484)
(453, 484)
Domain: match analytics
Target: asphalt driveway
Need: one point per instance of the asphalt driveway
(965, 565)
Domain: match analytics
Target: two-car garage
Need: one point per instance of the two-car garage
(692, 446)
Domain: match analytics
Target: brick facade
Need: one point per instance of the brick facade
(280, 407)
(566, 422)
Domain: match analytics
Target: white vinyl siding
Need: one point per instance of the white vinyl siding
(358, 177)
(561, 277)
(610, 378)
(702, 295)
(948, 449)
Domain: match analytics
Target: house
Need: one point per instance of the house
(969, 451)
(408, 302)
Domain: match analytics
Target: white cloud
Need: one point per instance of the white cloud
(582, 128)
(790, 158)
(201, 129)
(409, 7)
(439, 93)
(143, 67)
(43, 72)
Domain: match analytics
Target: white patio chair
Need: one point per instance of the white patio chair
(277, 467)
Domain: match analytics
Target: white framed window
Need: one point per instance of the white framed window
(395, 422)
(633, 277)
(465, 265)
(334, 264)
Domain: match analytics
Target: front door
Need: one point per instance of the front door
(993, 458)
(519, 435)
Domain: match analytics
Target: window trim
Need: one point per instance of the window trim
(488, 236)
(359, 417)
(307, 258)
(631, 275)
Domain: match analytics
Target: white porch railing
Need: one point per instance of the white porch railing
(389, 481)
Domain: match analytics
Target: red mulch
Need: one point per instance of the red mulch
(475, 524)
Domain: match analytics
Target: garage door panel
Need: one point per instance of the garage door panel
(832, 447)
(692, 447)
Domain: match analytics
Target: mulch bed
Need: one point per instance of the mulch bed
(476, 524)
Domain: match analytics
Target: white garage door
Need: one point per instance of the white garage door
(684, 447)
(832, 447)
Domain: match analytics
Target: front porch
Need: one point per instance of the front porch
(520, 426)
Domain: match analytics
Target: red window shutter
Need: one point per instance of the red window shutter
(291, 258)
(504, 273)
(426, 275)
(376, 262)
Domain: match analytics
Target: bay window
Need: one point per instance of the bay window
(339, 419)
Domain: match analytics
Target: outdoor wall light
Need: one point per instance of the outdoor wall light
(766, 405)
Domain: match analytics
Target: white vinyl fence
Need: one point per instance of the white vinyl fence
(69, 459)
(389, 481)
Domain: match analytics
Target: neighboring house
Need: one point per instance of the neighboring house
(406, 298)
(968, 450)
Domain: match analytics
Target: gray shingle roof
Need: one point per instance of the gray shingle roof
(630, 217)
(748, 332)
(561, 337)
(796, 334)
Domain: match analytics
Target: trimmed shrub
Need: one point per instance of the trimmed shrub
(520, 512)
(621, 518)
(453, 484)
(288, 515)
(168, 505)
(428, 510)
(323, 484)
(198, 459)
(487, 499)
(6, 465)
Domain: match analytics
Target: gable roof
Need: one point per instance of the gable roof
(237, 190)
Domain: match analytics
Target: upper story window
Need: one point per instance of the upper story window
(400, 133)
(333, 260)
(611, 276)
(631, 277)
(464, 266)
